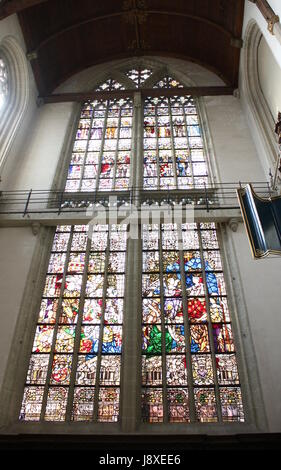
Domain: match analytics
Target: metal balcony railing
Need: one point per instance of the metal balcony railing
(211, 197)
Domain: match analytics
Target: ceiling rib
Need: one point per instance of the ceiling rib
(153, 92)
(78, 24)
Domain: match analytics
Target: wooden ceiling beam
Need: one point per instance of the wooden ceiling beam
(268, 13)
(80, 24)
(154, 92)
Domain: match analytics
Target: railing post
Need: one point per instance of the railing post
(60, 202)
(206, 196)
(27, 202)
(269, 189)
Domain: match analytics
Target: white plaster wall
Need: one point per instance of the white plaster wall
(261, 287)
(261, 122)
(38, 156)
(269, 77)
(10, 27)
(17, 247)
(251, 12)
(238, 160)
(234, 148)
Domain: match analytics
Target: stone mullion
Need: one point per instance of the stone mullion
(87, 146)
(102, 146)
(210, 330)
(99, 353)
(78, 334)
(205, 146)
(136, 173)
(130, 399)
(187, 335)
(163, 333)
(173, 144)
(58, 313)
(157, 149)
(116, 150)
(188, 147)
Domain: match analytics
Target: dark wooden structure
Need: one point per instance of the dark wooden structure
(66, 36)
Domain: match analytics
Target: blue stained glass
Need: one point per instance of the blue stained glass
(177, 339)
(212, 284)
(111, 347)
(182, 169)
(193, 264)
(174, 267)
(194, 347)
(112, 340)
(211, 279)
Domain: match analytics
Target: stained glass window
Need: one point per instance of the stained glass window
(168, 82)
(139, 75)
(3, 82)
(74, 369)
(173, 148)
(189, 368)
(110, 85)
(101, 151)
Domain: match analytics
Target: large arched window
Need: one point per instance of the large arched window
(3, 82)
(173, 146)
(189, 368)
(78, 340)
(187, 362)
(14, 93)
(101, 152)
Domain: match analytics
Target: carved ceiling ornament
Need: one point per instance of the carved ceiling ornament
(135, 11)
(136, 45)
(268, 14)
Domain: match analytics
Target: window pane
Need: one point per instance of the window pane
(173, 144)
(187, 340)
(78, 340)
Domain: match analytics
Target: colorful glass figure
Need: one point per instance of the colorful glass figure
(102, 149)
(79, 325)
(186, 329)
(173, 142)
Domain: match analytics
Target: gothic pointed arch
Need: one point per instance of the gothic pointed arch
(17, 97)
(259, 113)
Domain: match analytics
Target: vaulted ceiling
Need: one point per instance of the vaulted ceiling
(66, 36)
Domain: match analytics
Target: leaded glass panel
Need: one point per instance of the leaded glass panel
(74, 369)
(101, 153)
(173, 147)
(189, 362)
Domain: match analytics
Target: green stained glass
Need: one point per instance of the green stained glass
(152, 340)
(172, 300)
(70, 309)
